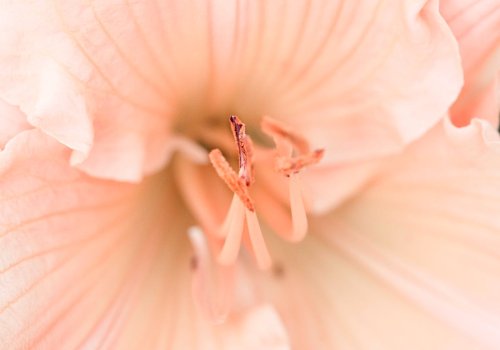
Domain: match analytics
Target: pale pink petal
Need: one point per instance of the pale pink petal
(81, 73)
(89, 263)
(215, 291)
(194, 152)
(158, 68)
(212, 284)
(362, 74)
(118, 156)
(476, 25)
(297, 209)
(359, 67)
(134, 74)
(328, 186)
(12, 122)
(131, 76)
(60, 110)
(259, 328)
(56, 229)
(197, 183)
(409, 263)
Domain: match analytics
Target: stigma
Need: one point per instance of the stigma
(291, 155)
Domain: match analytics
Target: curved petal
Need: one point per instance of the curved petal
(476, 25)
(412, 261)
(329, 186)
(82, 74)
(89, 263)
(12, 122)
(362, 73)
(60, 110)
(90, 73)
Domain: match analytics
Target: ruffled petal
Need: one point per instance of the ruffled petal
(82, 74)
(361, 73)
(476, 25)
(60, 110)
(156, 68)
(12, 122)
(353, 78)
(409, 263)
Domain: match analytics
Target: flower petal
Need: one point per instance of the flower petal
(260, 328)
(411, 262)
(60, 111)
(476, 25)
(94, 263)
(329, 186)
(362, 73)
(212, 285)
(82, 74)
(361, 67)
(12, 122)
(57, 232)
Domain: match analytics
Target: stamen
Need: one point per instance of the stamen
(257, 240)
(286, 140)
(242, 207)
(244, 149)
(232, 243)
(233, 208)
(232, 180)
(292, 165)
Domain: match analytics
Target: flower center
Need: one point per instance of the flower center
(259, 169)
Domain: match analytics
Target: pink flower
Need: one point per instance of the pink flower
(112, 217)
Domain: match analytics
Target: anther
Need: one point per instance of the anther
(286, 141)
(232, 180)
(245, 149)
(292, 165)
